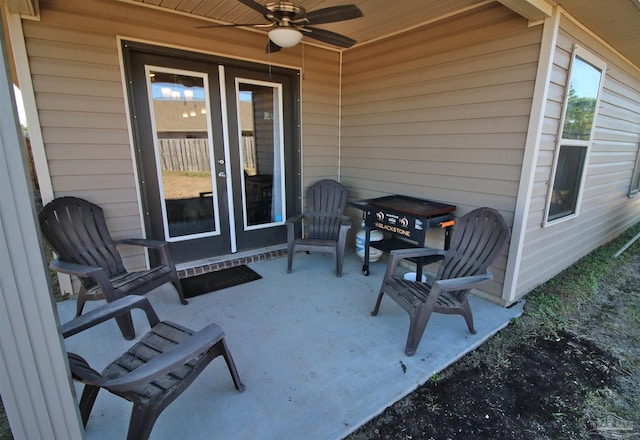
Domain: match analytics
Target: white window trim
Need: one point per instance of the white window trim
(602, 65)
(634, 189)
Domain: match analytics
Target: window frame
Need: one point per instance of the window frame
(634, 186)
(589, 58)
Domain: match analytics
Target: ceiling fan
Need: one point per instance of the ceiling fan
(288, 23)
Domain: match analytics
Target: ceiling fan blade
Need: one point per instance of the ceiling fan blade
(256, 6)
(208, 26)
(333, 14)
(272, 47)
(329, 37)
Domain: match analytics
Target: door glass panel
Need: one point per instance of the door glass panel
(261, 152)
(184, 152)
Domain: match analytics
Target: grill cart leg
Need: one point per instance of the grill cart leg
(367, 238)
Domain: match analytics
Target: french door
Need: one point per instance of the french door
(216, 150)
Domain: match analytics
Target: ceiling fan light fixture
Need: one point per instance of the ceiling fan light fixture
(285, 36)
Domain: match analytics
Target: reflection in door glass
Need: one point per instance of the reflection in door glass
(183, 154)
(261, 148)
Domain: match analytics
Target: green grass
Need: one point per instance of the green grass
(5, 430)
(555, 304)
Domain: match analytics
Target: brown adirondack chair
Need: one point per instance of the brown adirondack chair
(152, 373)
(323, 226)
(77, 232)
(477, 242)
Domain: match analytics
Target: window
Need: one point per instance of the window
(635, 180)
(574, 139)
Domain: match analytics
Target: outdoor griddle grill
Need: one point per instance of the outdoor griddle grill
(407, 220)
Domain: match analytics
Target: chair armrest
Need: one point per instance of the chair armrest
(96, 273)
(108, 311)
(396, 255)
(295, 218)
(462, 283)
(416, 252)
(156, 244)
(186, 350)
(79, 270)
(291, 227)
(161, 246)
(345, 225)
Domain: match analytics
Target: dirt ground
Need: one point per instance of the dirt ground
(567, 369)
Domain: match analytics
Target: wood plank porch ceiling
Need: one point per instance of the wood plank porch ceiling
(615, 21)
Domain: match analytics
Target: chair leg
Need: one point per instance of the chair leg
(143, 417)
(417, 325)
(375, 310)
(178, 286)
(89, 395)
(80, 304)
(468, 317)
(289, 258)
(222, 347)
(125, 323)
(339, 262)
(340, 250)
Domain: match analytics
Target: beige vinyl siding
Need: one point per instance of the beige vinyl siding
(320, 110)
(76, 74)
(442, 113)
(606, 211)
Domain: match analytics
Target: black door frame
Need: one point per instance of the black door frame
(277, 235)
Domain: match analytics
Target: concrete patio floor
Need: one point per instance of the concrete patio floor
(316, 365)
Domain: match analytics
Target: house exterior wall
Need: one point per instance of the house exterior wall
(76, 73)
(606, 210)
(442, 113)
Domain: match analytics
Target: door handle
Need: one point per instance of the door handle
(222, 174)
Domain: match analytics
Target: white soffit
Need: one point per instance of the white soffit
(28, 8)
(533, 10)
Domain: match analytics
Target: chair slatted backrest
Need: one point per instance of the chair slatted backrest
(477, 242)
(77, 232)
(326, 200)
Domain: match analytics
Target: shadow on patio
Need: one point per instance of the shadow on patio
(315, 363)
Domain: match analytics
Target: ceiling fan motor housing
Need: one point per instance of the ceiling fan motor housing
(285, 13)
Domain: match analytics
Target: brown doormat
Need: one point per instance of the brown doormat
(219, 279)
